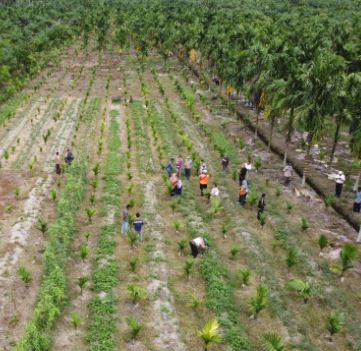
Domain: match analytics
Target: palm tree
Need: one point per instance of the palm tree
(318, 98)
(210, 333)
(304, 289)
(348, 254)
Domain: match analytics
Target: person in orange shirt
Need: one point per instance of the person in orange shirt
(203, 181)
(242, 195)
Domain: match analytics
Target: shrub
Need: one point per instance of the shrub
(305, 224)
(195, 302)
(136, 293)
(182, 245)
(189, 263)
(234, 251)
(347, 255)
(262, 219)
(90, 212)
(42, 225)
(53, 194)
(258, 163)
(329, 200)
(304, 289)
(83, 251)
(177, 225)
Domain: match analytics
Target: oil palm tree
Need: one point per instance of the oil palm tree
(272, 342)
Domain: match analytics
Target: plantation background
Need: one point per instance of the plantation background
(126, 85)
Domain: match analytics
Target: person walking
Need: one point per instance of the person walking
(169, 167)
(261, 205)
(287, 173)
(178, 165)
(198, 245)
(202, 167)
(57, 164)
(203, 181)
(340, 179)
(179, 187)
(69, 157)
(138, 224)
(225, 163)
(187, 167)
(357, 202)
(125, 224)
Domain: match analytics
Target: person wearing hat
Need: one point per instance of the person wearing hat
(203, 181)
(187, 167)
(198, 245)
(340, 179)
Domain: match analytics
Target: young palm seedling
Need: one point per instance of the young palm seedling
(182, 245)
(244, 275)
(334, 323)
(234, 251)
(96, 169)
(189, 263)
(75, 319)
(322, 241)
(304, 289)
(305, 224)
(92, 198)
(42, 225)
(260, 301)
(6, 154)
(133, 263)
(210, 334)
(132, 238)
(272, 342)
(83, 251)
(347, 255)
(195, 302)
(53, 194)
(177, 226)
(136, 293)
(262, 219)
(90, 212)
(134, 327)
(82, 282)
(94, 183)
(25, 275)
(292, 257)
(17, 193)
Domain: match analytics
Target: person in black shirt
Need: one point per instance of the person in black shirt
(261, 205)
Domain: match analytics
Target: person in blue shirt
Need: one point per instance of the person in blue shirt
(357, 202)
(138, 224)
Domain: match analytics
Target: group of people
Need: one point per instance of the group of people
(58, 160)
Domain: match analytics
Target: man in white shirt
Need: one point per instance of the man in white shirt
(340, 179)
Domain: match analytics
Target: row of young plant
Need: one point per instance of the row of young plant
(303, 288)
(52, 295)
(53, 291)
(102, 307)
(262, 290)
(220, 294)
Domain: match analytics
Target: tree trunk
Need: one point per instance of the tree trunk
(290, 125)
(355, 187)
(257, 119)
(273, 119)
(307, 160)
(335, 141)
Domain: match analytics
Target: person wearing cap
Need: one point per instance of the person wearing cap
(225, 163)
(198, 245)
(340, 179)
(203, 181)
(187, 167)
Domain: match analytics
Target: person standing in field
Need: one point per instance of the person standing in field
(261, 205)
(57, 164)
(138, 224)
(125, 224)
(178, 165)
(242, 195)
(187, 167)
(179, 187)
(287, 173)
(225, 163)
(198, 245)
(203, 181)
(357, 202)
(340, 179)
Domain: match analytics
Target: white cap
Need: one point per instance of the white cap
(204, 171)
